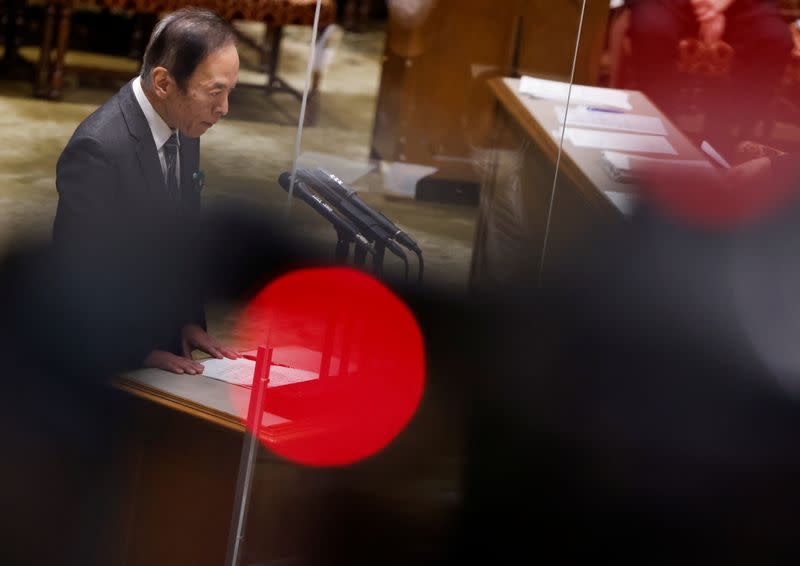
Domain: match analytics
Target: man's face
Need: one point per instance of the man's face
(205, 99)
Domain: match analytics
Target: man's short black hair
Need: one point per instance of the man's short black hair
(182, 40)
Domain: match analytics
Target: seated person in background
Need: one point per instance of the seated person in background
(761, 43)
(129, 183)
(759, 164)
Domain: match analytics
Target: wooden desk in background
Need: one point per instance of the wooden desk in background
(182, 463)
(433, 107)
(516, 190)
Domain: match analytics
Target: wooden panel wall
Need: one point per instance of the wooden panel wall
(434, 107)
(433, 101)
(549, 36)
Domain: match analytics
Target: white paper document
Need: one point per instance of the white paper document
(580, 94)
(588, 117)
(621, 141)
(240, 372)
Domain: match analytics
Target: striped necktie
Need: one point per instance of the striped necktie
(171, 156)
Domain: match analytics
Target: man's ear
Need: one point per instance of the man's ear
(162, 82)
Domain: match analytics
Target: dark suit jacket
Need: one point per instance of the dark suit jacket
(113, 203)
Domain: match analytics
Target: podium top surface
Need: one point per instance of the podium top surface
(538, 119)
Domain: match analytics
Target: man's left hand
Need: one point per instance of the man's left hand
(193, 337)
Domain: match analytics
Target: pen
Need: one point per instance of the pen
(600, 109)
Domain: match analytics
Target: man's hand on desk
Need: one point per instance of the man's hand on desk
(193, 337)
(170, 362)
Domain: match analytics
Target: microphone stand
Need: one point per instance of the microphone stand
(343, 242)
(342, 246)
(377, 261)
(360, 254)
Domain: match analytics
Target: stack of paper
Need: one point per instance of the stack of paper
(623, 168)
(620, 141)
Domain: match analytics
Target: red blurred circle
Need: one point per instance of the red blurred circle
(355, 362)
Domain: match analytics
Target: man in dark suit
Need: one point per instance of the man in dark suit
(129, 183)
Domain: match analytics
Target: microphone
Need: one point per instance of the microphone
(368, 224)
(346, 193)
(342, 225)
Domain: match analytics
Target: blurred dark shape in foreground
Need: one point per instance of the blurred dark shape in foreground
(620, 412)
(73, 317)
(629, 414)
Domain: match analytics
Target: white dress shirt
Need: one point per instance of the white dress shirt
(158, 127)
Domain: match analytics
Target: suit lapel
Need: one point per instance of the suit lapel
(146, 150)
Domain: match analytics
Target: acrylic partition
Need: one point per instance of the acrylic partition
(413, 109)
(671, 241)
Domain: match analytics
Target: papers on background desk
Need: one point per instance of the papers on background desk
(626, 168)
(587, 117)
(240, 372)
(580, 94)
(621, 141)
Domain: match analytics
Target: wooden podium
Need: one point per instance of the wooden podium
(434, 106)
(518, 206)
(178, 481)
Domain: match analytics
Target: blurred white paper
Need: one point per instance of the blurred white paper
(580, 94)
(711, 152)
(601, 139)
(624, 202)
(401, 178)
(240, 372)
(586, 117)
(623, 167)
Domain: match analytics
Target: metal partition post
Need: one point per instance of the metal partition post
(244, 483)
